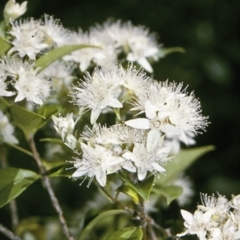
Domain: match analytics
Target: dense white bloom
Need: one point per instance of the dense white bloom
(135, 41)
(214, 220)
(168, 110)
(103, 54)
(32, 37)
(6, 130)
(26, 80)
(60, 74)
(106, 87)
(13, 10)
(98, 92)
(28, 39)
(96, 162)
(55, 33)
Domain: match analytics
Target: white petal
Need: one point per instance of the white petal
(95, 114)
(142, 174)
(187, 216)
(101, 177)
(170, 130)
(139, 123)
(150, 110)
(158, 167)
(113, 102)
(145, 64)
(80, 172)
(152, 139)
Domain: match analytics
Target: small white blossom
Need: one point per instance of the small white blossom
(6, 130)
(26, 80)
(168, 110)
(13, 10)
(96, 162)
(135, 41)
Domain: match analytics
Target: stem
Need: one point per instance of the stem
(8, 233)
(46, 182)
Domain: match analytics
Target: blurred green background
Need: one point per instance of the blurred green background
(209, 31)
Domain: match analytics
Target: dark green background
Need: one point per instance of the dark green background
(209, 31)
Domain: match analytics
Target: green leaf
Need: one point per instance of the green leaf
(63, 172)
(46, 111)
(53, 140)
(55, 54)
(141, 189)
(179, 163)
(98, 219)
(129, 233)
(4, 46)
(13, 182)
(28, 121)
(54, 164)
(169, 192)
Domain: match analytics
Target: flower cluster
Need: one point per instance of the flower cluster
(139, 145)
(217, 218)
(116, 39)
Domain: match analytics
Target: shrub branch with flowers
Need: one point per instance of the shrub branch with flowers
(94, 97)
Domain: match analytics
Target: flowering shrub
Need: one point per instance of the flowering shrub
(93, 96)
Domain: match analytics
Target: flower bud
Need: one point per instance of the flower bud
(13, 10)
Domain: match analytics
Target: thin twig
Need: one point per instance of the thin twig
(8, 233)
(48, 186)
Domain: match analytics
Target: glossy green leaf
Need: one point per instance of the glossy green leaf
(55, 54)
(26, 120)
(13, 182)
(141, 189)
(169, 192)
(129, 233)
(179, 163)
(98, 219)
(4, 46)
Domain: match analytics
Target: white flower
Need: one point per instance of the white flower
(60, 74)
(146, 161)
(138, 44)
(102, 55)
(186, 184)
(55, 33)
(98, 92)
(198, 223)
(96, 162)
(26, 81)
(28, 39)
(168, 110)
(6, 130)
(13, 10)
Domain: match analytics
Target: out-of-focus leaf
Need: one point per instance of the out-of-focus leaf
(141, 189)
(26, 120)
(96, 220)
(46, 111)
(169, 192)
(63, 172)
(129, 233)
(53, 140)
(4, 46)
(13, 182)
(57, 53)
(179, 163)
(54, 164)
